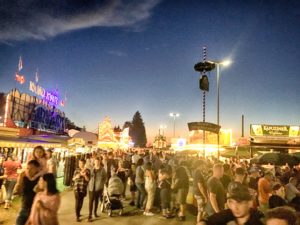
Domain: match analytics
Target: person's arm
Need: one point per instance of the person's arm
(86, 175)
(20, 184)
(267, 187)
(213, 201)
(203, 191)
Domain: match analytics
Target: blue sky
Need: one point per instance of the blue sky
(116, 57)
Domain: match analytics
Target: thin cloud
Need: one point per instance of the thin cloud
(117, 53)
(35, 19)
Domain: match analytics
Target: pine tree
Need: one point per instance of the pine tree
(138, 131)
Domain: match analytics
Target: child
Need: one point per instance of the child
(164, 182)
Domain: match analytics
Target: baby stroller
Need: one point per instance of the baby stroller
(111, 196)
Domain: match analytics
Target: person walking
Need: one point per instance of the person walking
(25, 187)
(2, 178)
(46, 203)
(140, 184)
(216, 192)
(165, 182)
(200, 189)
(11, 174)
(81, 179)
(51, 162)
(181, 188)
(150, 187)
(240, 211)
(95, 187)
(264, 191)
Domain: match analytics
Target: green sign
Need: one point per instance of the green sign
(274, 130)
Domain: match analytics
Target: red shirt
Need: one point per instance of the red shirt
(11, 168)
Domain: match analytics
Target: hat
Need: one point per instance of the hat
(238, 191)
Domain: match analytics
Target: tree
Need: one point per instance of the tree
(127, 124)
(138, 131)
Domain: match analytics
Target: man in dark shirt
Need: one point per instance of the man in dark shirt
(200, 189)
(25, 187)
(240, 210)
(216, 192)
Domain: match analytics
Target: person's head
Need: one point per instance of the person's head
(278, 189)
(97, 162)
(48, 182)
(49, 153)
(148, 166)
(240, 174)
(110, 155)
(81, 163)
(39, 152)
(218, 170)
(226, 168)
(268, 175)
(239, 200)
(281, 216)
(293, 181)
(140, 162)
(254, 172)
(33, 167)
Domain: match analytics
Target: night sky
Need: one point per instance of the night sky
(115, 57)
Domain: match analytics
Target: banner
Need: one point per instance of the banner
(274, 130)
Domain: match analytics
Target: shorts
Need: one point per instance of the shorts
(200, 203)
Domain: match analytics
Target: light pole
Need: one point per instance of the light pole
(224, 63)
(174, 115)
(162, 127)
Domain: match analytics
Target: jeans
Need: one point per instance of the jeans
(9, 187)
(141, 195)
(79, 196)
(94, 197)
(23, 216)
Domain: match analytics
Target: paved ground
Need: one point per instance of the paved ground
(67, 216)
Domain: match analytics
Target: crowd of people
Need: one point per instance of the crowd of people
(228, 192)
(36, 184)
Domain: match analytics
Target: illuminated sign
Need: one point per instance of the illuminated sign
(204, 126)
(48, 96)
(274, 130)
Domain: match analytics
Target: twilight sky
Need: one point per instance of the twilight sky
(119, 56)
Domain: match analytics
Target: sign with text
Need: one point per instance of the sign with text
(49, 96)
(274, 130)
(214, 128)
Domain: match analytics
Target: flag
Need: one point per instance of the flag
(20, 65)
(37, 76)
(63, 102)
(20, 78)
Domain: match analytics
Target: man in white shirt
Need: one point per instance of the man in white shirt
(291, 189)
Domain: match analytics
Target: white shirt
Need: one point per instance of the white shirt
(291, 192)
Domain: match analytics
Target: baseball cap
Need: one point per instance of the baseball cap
(238, 192)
